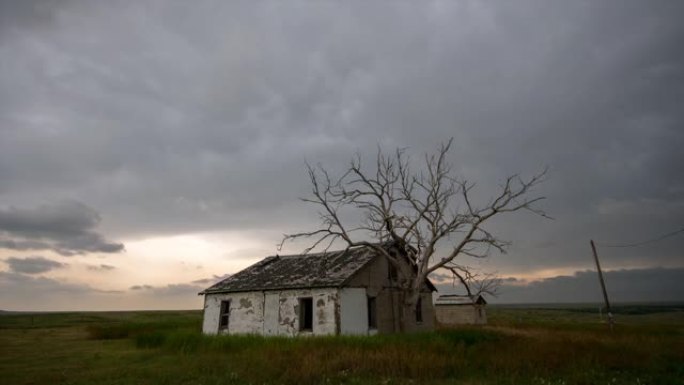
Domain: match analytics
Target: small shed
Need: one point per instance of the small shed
(453, 309)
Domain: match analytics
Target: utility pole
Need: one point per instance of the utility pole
(603, 285)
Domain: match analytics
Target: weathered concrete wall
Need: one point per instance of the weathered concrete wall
(271, 312)
(387, 302)
(246, 313)
(375, 278)
(324, 304)
(428, 315)
(343, 311)
(461, 314)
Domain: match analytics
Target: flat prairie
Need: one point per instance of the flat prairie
(548, 344)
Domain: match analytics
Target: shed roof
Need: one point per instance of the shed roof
(455, 299)
(330, 269)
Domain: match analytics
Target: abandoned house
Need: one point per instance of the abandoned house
(352, 291)
(455, 309)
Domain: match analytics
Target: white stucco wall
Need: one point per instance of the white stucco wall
(353, 311)
(246, 313)
(323, 311)
(272, 312)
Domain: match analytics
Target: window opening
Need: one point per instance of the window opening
(224, 317)
(419, 310)
(372, 313)
(306, 314)
(392, 272)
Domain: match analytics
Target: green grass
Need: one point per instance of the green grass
(520, 346)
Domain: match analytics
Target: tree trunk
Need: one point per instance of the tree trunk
(407, 313)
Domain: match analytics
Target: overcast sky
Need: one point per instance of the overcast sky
(147, 148)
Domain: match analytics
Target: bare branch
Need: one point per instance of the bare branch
(428, 215)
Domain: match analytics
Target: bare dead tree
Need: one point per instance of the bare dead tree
(475, 282)
(428, 215)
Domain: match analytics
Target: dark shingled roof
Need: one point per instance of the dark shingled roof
(331, 269)
(456, 299)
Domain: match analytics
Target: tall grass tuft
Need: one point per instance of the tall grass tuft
(150, 339)
(446, 354)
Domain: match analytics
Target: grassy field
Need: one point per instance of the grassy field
(521, 345)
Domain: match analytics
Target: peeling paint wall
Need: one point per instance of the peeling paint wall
(272, 312)
(342, 311)
(324, 301)
(246, 313)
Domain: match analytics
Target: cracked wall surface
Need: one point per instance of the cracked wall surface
(272, 312)
(246, 313)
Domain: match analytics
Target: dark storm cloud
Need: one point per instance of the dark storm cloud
(32, 265)
(66, 228)
(645, 285)
(172, 118)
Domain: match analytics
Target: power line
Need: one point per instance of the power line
(660, 238)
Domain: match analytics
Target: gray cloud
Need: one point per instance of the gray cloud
(22, 285)
(178, 289)
(441, 278)
(170, 290)
(172, 118)
(206, 281)
(101, 267)
(141, 287)
(66, 227)
(32, 265)
(628, 285)
(29, 293)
